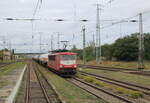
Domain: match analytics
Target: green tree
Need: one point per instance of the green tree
(126, 48)
(107, 51)
(89, 53)
(147, 46)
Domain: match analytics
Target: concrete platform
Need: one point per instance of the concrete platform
(10, 84)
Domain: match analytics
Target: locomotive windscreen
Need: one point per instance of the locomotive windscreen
(68, 59)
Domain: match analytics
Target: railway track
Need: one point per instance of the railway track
(145, 90)
(38, 88)
(131, 71)
(100, 92)
(144, 73)
(4, 64)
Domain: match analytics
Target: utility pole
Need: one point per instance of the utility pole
(58, 41)
(93, 45)
(32, 36)
(141, 44)
(4, 42)
(32, 43)
(84, 52)
(52, 43)
(98, 37)
(3, 47)
(9, 45)
(40, 41)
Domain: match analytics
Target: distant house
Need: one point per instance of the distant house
(5, 54)
(16, 56)
(1, 55)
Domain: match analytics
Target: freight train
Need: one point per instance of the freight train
(62, 62)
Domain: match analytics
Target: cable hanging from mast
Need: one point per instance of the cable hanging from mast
(37, 8)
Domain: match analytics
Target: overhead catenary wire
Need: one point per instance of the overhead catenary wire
(124, 20)
(118, 22)
(145, 12)
(38, 7)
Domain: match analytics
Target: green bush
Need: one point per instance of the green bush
(136, 94)
(89, 79)
(131, 93)
(90, 57)
(80, 76)
(111, 87)
(99, 83)
(120, 90)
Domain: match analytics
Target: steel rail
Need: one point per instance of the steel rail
(131, 71)
(106, 68)
(43, 88)
(50, 85)
(105, 91)
(143, 89)
(28, 89)
(27, 86)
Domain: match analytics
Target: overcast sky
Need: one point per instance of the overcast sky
(19, 33)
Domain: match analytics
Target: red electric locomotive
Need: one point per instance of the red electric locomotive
(63, 62)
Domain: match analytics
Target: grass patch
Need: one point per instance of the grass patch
(3, 83)
(118, 64)
(7, 69)
(131, 93)
(69, 92)
(138, 79)
(99, 83)
(120, 90)
(136, 94)
(79, 75)
(11, 67)
(22, 90)
(89, 79)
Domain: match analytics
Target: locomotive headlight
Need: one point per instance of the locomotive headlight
(75, 66)
(61, 66)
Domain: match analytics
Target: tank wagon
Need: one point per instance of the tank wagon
(43, 59)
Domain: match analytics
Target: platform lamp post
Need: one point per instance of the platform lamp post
(40, 42)
(84, 42)
(84, 52)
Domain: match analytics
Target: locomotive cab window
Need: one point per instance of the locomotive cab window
(68, 59)
(52, 57)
